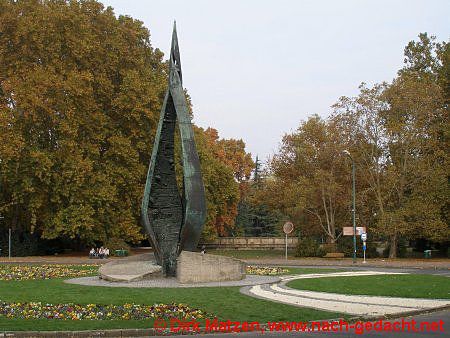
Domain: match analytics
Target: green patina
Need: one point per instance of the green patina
(174, 222)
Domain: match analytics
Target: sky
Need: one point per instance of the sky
(256, 68)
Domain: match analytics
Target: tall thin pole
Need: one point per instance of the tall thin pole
(286, 246)
(1, 217)
(9, 243)
(354, 210)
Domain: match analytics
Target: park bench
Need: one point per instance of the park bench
(121, 253)
(427, 253)
(334, 255)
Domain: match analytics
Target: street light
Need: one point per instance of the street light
(1, 217)
(9, 232)
(346, 152)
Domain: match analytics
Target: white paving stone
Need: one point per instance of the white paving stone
(374, 300)
(339, 274)
(327, 305)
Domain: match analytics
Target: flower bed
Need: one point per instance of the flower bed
(71, 311)
(265, 270)
(27, 272)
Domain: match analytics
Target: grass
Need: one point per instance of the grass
(226, 303)
(408, 286)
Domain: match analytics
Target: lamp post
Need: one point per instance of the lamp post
(346, 152)
(9, 230)
(1, 217)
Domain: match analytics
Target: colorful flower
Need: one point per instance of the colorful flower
(11, 272)
(37, 310)
(265, 270)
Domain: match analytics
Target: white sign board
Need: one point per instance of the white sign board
(364, 237)
(348, 231)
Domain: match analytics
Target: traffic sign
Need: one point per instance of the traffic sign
(288, 227)
(364, 236)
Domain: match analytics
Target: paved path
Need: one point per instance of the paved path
(421, 271)
(435, 264)
(171, 282)
(351, 304)
(430, 264)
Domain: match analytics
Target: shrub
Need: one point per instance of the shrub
(116, 244)
(345, 245)
(308, 247)
(22, 244)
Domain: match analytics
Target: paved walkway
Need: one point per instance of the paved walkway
(171, 282)
(77, 258)
(351, 304)
(404, 263)
(55, 260)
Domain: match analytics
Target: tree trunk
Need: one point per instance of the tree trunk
(393, 246)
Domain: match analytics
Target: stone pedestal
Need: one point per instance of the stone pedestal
(130, 269)
(195, 267)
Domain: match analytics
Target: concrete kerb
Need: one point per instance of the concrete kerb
(352, 304)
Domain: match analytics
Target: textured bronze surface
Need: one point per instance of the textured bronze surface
(174, 223)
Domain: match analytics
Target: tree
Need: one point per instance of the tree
(310, 175)
(398, 135)
(220, 168)
(82, 90)
(80, 96)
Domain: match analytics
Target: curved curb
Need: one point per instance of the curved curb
(375, 306)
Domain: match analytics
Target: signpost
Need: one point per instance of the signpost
(360, 231)
(364, 239)
(288, 227)
(348, 231)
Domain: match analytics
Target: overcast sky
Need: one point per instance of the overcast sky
(255, 69)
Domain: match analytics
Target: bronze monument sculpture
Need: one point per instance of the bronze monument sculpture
(173, 222)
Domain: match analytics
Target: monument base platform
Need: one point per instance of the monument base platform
(195, 267)
(130, 269)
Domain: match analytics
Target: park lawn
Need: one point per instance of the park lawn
(408, 285)
(225, 303)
